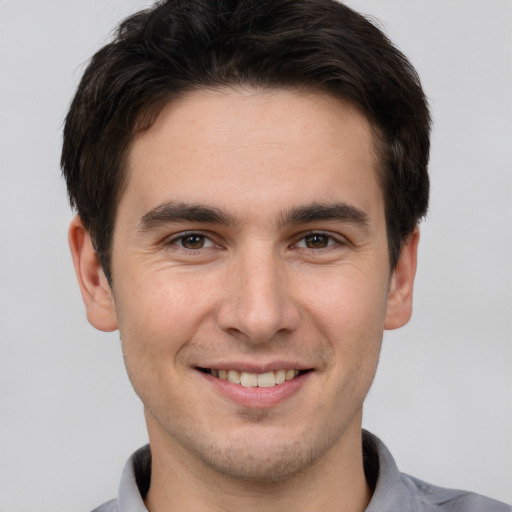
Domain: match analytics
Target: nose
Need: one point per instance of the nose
(257, 303)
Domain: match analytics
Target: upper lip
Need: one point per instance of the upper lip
(255, 367)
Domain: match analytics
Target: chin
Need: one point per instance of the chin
(261, 459)
(260, 468)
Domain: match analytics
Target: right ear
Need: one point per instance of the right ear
(96, 292)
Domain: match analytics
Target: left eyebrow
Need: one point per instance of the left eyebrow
(340, 212)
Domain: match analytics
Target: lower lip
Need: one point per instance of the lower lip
(255, 397)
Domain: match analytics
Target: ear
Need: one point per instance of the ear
(399, 309)
(96, 292)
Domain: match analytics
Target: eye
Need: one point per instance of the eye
(316, 241)
(193, 241)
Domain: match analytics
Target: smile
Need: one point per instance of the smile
(253, 380)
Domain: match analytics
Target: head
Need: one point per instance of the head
(180, 46)
(250, 175)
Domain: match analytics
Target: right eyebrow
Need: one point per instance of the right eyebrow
(171, 212)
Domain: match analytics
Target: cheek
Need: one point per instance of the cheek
(163, 303)
(349, 312)
(158, 318)
(347, 301)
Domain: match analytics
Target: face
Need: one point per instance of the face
(251, 280)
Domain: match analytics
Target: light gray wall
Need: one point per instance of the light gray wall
(442, 397)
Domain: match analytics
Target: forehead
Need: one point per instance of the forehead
(236, 146)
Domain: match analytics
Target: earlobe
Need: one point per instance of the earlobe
(399, 308)
(96, 292)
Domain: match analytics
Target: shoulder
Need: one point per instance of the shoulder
(109, 506)
(432, 497)
(395, 491)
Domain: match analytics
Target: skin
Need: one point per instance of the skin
(258, 287)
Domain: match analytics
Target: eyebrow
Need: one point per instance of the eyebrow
(340, 212)
(170, 212)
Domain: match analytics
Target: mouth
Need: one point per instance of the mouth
(253, 380)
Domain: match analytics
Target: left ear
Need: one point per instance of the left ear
(399, 308)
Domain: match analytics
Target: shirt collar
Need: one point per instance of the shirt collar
(391, 492)
(135, 481)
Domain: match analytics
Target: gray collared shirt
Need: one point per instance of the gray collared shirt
(394, 491)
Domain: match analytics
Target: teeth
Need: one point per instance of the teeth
(280, 376)
(252, 380)
(289, 374)
(234, 376)
(266, 380)
(248, 380)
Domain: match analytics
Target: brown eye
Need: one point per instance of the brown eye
(317, 241)
(193, 241)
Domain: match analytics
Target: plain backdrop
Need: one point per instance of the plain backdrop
(442, 396)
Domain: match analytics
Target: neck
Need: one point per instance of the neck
(335, 482)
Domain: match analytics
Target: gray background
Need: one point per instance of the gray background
(442, 396)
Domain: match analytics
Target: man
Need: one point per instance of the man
(248, 178)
